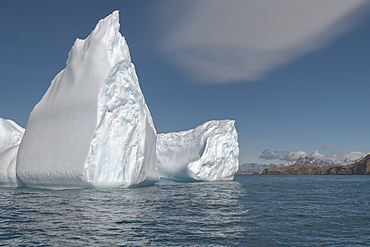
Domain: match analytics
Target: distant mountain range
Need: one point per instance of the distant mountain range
(254, 168)
(361, 167)
(312, 161)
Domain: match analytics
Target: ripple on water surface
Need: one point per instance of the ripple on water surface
(252, 210)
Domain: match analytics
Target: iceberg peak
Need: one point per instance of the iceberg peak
(92, 128)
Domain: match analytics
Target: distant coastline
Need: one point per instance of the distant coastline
(242, 173)
(361, 167)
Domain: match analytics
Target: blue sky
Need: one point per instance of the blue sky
(293, 74)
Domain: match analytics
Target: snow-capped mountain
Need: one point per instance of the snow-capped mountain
(309, 160)
(313, 161)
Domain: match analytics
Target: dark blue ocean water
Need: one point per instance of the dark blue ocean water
(249, 211)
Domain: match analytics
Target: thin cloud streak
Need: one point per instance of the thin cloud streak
(228, 41)
(282, 155)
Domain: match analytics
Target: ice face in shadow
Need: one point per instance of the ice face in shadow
(207, 153)
(92, 127)
(10, 137)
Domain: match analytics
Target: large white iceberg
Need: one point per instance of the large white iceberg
(92, 127)
(207, 153)
(10, 137)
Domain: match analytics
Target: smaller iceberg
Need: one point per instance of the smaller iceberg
(207, 153)
(10, 137)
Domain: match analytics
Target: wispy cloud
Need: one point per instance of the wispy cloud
(328, 147)
(237, 40)
(295, 155)
(282, 155)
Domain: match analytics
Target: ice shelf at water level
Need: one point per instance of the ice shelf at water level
(207, 153)
(10, 137)
(92, 127)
